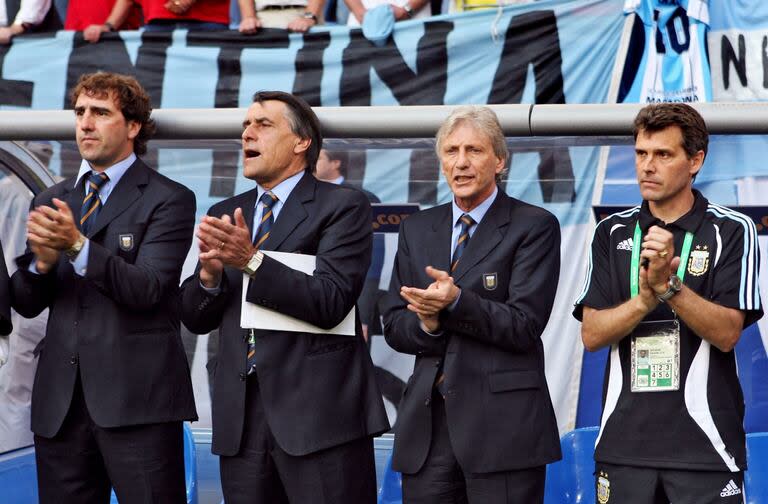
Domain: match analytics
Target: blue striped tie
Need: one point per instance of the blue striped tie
(92, 202)
(268, 200)
(461, 244)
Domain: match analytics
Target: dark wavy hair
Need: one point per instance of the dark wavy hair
(659, 116)
(129, 95)
(304, 123)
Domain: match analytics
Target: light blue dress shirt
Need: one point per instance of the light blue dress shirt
(282, 191)
(477, 214)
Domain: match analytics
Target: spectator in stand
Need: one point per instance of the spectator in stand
(83, 13)
(402, 9)
(167, 15)
(26, 15)
(293, 15)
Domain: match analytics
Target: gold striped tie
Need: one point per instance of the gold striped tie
(461, 244)
(92, 202)
(268, 200)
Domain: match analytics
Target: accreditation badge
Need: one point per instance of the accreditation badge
(656, 356)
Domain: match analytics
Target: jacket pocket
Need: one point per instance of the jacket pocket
(333, 347)
(503, 381)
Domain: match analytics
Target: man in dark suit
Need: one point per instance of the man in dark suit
(105, 254)
(5, 300)
(293, 412)
(472, 289)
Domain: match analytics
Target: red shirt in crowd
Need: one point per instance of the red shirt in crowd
(83, 13)
(209, 11)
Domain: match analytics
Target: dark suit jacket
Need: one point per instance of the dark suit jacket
(498, 408)
(5, 297)
(318, 390)
(121, 321)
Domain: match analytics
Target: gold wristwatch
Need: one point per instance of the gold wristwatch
(73, 251)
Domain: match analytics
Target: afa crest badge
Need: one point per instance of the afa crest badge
(490, 281)
(126, 242)
(699, 261)
(603, 488)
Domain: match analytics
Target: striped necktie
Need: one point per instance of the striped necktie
(466, 223)
(262, 233)
(267, 219)
(92, 202)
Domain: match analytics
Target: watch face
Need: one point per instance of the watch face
(675, 283)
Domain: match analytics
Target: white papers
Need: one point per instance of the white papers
(4, 349)
(253, 316)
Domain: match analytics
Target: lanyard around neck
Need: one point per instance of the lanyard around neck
(634, 269)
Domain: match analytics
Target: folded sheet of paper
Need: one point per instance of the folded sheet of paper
(253, 316)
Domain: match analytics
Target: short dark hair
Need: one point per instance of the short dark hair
(342, 157)
(304, 123)
(129, 95)
(659, 116)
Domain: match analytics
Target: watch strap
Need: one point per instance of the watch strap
(73, 251)
(674, 286)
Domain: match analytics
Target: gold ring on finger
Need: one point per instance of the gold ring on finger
(663, 254)
(221, 245)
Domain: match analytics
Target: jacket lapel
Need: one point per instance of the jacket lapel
(292, 213)
(74, 198)
(122, 196)
(486, 237)
(248, 208)
(438, 244)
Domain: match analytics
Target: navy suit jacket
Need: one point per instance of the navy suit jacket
(120, 323)
(318, 390)
(499, 412)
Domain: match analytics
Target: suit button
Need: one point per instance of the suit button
(427, 401)
(242, 376)
(73, 360)
(437, 364)
(75, 323)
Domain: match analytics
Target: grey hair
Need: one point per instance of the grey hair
(484, 120)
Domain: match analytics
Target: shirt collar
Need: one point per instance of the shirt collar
(688, 222)
(283, 189)
(476, 213)
(114, 172)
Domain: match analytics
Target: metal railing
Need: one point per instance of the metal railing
(398, 122)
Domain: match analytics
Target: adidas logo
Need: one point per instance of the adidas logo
(730, 489)
(625, 244)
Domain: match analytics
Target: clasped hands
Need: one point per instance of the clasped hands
(658, 261)
(223, 242)
(179, 7)
(49, 232)
(427, 303)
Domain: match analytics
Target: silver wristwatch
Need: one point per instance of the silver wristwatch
(674, 286)
(253, 263)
